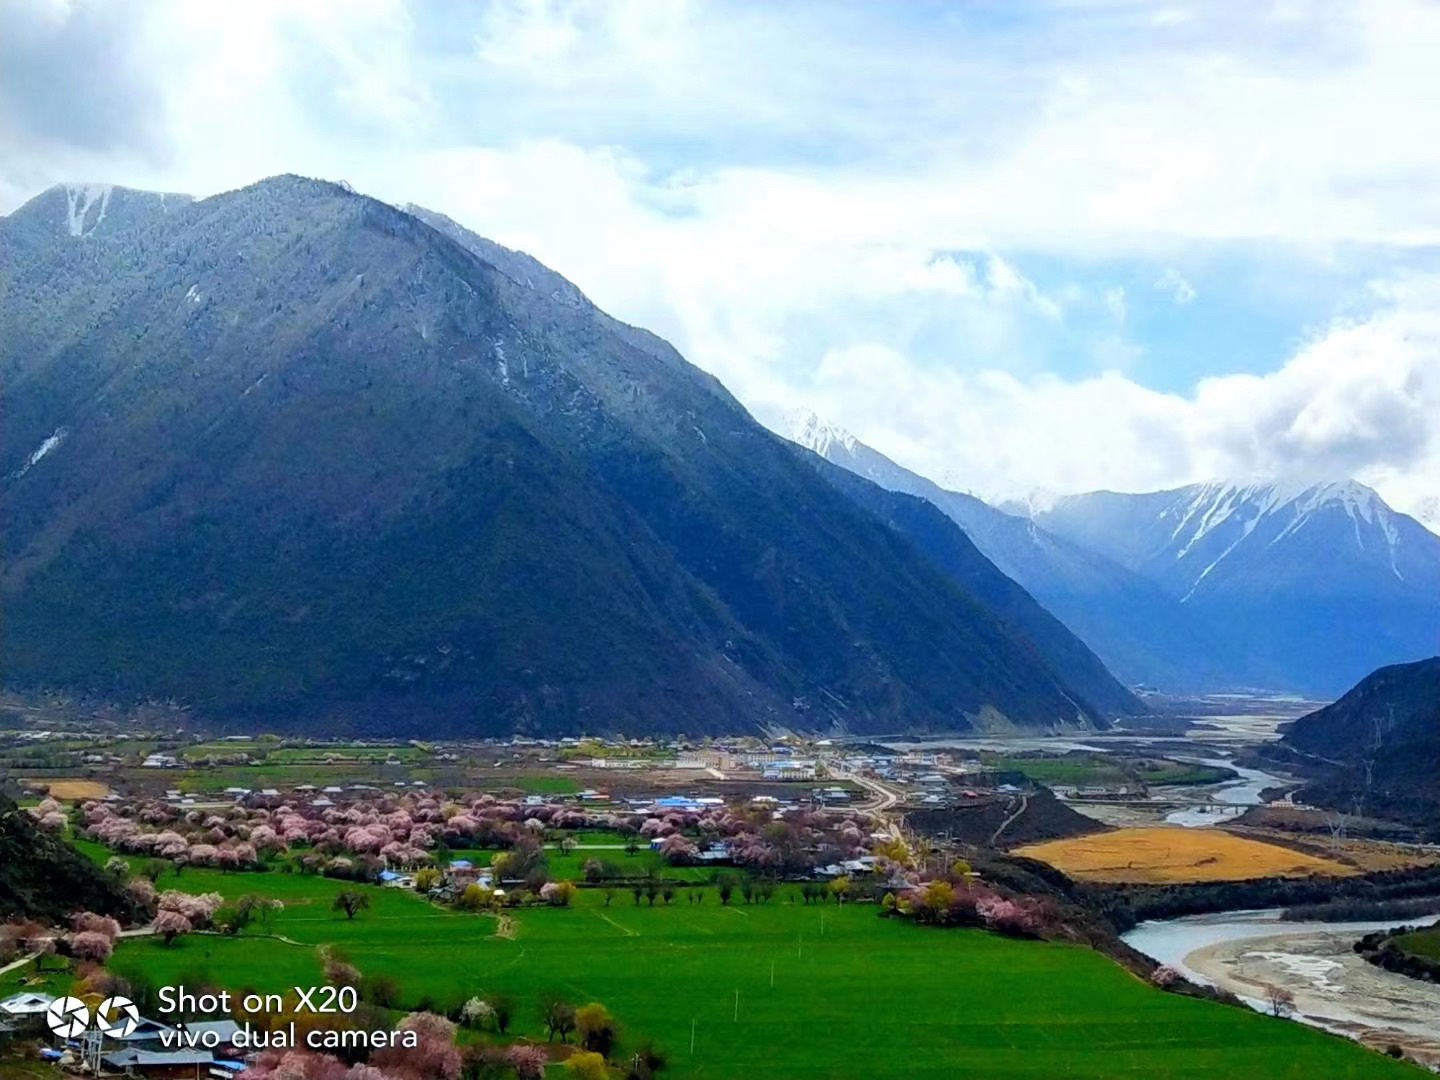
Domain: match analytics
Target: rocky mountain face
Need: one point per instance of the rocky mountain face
(1377, 749)
(1140, 631)
(301, 458)
(1315, 584)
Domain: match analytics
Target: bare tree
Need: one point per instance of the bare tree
(1282, 1001)
(351, 903)
(558, 1016)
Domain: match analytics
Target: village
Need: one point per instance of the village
(284, 865)
(739, 816)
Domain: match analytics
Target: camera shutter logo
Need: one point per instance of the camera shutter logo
(117, 1017)
(68, 1017)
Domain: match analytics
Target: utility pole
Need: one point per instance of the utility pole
(737, 1006)
(692, 1036)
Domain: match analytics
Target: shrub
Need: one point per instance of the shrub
(587, 1065)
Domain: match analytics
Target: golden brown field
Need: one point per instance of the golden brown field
(75, 790)
(1365, 855)
(1164, 855)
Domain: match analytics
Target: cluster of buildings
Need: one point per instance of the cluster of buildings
(194, 1050)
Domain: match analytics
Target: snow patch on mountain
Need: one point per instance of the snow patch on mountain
(1247, 504)
(50, 442)
(502, 364)
(80, 198)
(1189, 537)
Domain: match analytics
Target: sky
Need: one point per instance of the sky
(1068, 244)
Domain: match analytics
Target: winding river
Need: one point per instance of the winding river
(1230, 799)
(1247, 951)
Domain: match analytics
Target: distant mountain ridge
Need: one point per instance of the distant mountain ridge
(1193, 539)
(1141, 633)
(1225, 585)
(302, 458)
(1317, 583)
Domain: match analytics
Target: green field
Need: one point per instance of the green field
(1104, 770)
(54, 979)
(27, 1070)
(535, 785)
(856, 996)
(1424, 943)
(296, 755)
(571, 866)
(265, 774)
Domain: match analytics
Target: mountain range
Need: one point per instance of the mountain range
(1315, 583)
(300, 458)
(1220, 586)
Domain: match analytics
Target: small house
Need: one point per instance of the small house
(24, 1012)
(160, 1064)
(28, 1003)
(224, 1033)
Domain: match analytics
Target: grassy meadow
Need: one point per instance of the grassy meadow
(1424, 943)
(852, 994)
(1167, 855)
(570, 866)
(1103, 770)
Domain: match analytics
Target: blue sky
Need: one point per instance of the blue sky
(1069, 243)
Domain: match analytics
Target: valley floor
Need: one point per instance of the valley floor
(780, 989)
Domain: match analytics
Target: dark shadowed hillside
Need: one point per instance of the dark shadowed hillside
(1378, 747)
(947, 546)
(42, 877)
(1142, 634)
(298, 458)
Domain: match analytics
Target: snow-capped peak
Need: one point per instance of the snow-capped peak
(805, 427)
(1216, 501)
(1227, 512)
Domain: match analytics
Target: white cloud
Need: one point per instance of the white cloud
(571, 44)
(1360, 400)
(1115, 304)
(1174, 283)
(537, 37)
(1117, 130)
(833, 205)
